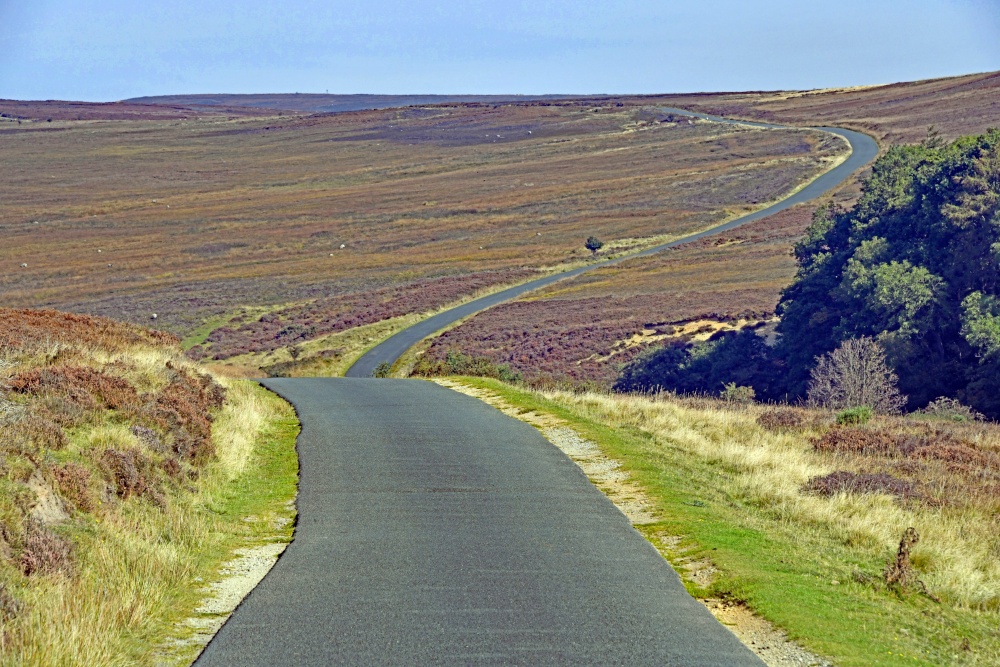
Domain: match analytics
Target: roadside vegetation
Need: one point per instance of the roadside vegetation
(127, 477)
(803, 518)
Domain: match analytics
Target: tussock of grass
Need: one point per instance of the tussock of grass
(736, 493)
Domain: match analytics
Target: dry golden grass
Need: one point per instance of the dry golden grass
(959, 542)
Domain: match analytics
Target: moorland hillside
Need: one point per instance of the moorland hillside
(893, 113)
(326, 103)
(203, 221)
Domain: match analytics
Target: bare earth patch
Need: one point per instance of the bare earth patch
(767, 641)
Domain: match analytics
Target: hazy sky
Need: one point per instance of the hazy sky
(115, 49)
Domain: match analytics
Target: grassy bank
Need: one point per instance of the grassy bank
(728, 484)
(127, 478)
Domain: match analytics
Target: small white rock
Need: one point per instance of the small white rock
(153, 316)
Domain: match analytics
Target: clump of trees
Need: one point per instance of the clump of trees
(914, 265)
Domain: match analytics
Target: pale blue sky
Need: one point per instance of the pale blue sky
(115, 49)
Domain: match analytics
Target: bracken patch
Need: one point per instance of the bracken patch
(73, 481)
(44, 552)
(844, 481)
(781, 418)
(132, 474)
(85, 387)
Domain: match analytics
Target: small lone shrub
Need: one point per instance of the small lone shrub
(593, 244)
(382, 370)
(859, 415)
(899, 574)
(950, 409)
(737, 394)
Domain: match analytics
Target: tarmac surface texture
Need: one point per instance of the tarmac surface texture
(434, 530)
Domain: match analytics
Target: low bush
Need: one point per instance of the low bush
(949, 409)
(44, 552)
(732, 393)
(779, 419)
(458, 363)
(857, 415)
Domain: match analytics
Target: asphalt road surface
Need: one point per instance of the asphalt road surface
(863, 150)
(434, 530)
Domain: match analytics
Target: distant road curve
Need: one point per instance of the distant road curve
(864, 149)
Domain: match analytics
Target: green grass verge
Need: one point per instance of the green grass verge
(796, 576)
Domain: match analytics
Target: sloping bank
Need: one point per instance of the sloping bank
(128, 478)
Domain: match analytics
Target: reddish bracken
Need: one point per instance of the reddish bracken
(183, 408)
(782, 418)
(843, 481)
(131, 472)
(73, 481)
(873, 442)
(83, 386)
(926, 443)
(20, 328)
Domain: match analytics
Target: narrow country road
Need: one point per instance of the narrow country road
(864, 149)
(434, 530)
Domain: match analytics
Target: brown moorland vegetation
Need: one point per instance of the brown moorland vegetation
(582, 331)
(111, 446)
(892, 113)
(320, 103)
(18, 111)
(193, 218)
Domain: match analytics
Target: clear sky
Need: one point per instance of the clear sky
(100, 50)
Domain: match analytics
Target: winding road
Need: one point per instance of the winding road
(864, 149)
(434, 530)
